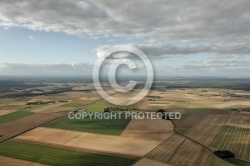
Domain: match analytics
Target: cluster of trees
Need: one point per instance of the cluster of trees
(109, 109)
(16, 95)
(152, 98)
(235, 95)
(40, 102)
(224, 154)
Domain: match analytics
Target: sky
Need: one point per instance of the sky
(181, 38)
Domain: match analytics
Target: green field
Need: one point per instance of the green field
(13, 116)
(178, 122)
(72, 104)
(100, 126)
(98, 106)
(235, 139)
(238, 162)
(59, 156)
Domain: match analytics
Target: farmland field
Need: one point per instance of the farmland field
(238, 162)
(14, 116)
(235, 136)
(179, 151)
(74, 104)
(5, 161)
(47, 107)
(26, 122)
(5, 112)
(146, 161)
(206, 130)
(208, 117)
(98, 106)
(150, 129)
(165, 151)
(131, 142)
(101, 126)
(58, 156)
(187, 122)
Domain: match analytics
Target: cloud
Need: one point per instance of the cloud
(223, 25)
(31, 37)
(211, 68)
(166, 50)
(2, 66)
(218, 28)
(187, 59)
(205, 64)
(189, 19)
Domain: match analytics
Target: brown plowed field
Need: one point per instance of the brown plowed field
(180, 151)
(4, 112)
(207, 129)
(26, 122)
(146, 161)
(132, 142)
(48, 107)
(149, 129)
(7, 161)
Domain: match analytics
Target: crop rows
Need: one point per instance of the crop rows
(235, 136)
(91, 125)
(59, 156)
(205, 131)
(180, 151)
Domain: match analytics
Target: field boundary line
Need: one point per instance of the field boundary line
(76, 149)
(219, 131)
(176, 149)
(219, 126)
(31, 128)
(98, 100)
(153, 149)
(198, 143)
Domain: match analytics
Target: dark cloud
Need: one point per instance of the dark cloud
(189, 19)
(223, 24)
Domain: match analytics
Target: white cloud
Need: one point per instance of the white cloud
(31, 37)
(2, 66)
(161, 50)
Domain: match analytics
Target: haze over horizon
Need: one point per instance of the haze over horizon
(182, 38)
